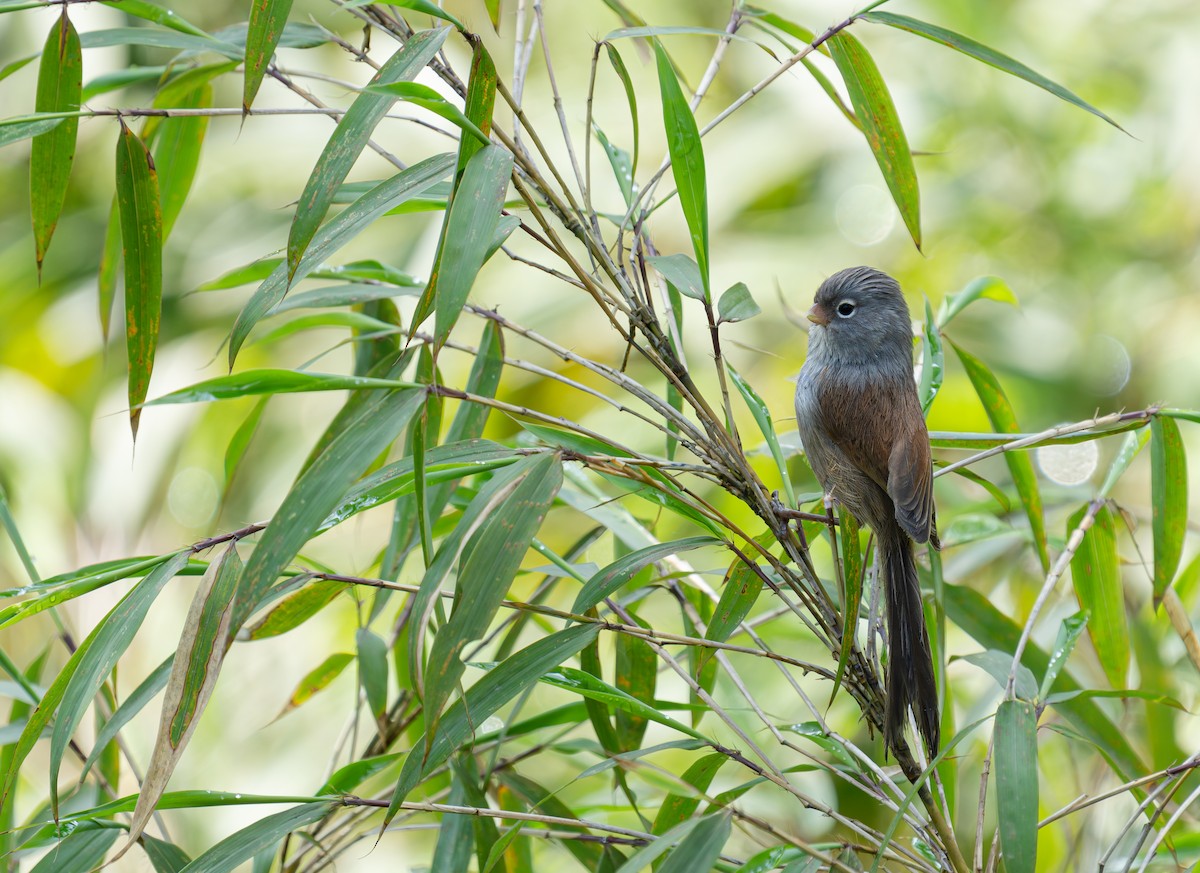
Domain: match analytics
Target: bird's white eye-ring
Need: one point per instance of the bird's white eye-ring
(846, 308)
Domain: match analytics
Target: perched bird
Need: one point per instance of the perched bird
(865, 437)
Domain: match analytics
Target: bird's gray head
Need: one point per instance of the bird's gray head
(859, 315)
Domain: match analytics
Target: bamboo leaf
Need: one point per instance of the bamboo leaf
(620, 571)
(141, 239)
(1168, 493)
(495, 555)
(267, 20)
(11, 131)
(243, 845)
(979, 618)
(340, 230)
(164, 857)
(79, 852)
(880, 125)
(1003, 419)
(296, 608)
(1064, 644)
(983, 288)
(315, 681)
(480, 102)
(852, 578)
(621, 163)
(1017, 784)
(687, 161)
(428, 98)
(933, 360)
(207, 635)
(983, 53)
(635, 674)
(762, 417)
(678, 808)
(255, 382)
(130, 706)
(739, 593)
(372, 670)
(469, 229)
(59, 89)
(482, 699)
(109, 641)
(700, 849)
(319, 488)
(618, 65)
(178, 141)
(1096, 575)
(682, 272)
(736, 304)
(588, 686)
(350, 138)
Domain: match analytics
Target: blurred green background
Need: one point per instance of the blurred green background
(1095, 231)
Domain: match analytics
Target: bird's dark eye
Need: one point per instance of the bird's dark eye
(846, 308)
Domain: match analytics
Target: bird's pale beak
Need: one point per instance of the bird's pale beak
(817, 315)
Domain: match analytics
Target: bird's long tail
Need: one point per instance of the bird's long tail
(910, 680)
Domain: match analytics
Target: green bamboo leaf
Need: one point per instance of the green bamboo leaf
(682, 272)
(443, 464)
(739, 593)
(243, 845)
(1000, 414)
(483, 380)
(621, 163)
(372, 670)
(267, 20)
(164, 857)
(635, 674)
(141, 240)
(1133, 443)
(336, 233)
(130, 706)
(115, 80)
(255, 271)
(1168, 492)
(426, 6)
(700, 849)
(736, 304)
(348, 778)
(79, 852)
(454, 843)
(296, 608)
(360, 325)
(1017, 784)
(1068, 634)
(428, 98)
(992, 629)
(157, 14)
(766, 425)
(467, 235)
(19, 64)
(315, 681)
(11, 131)
(881, 126)
(620, 571)
(980, 52)
(687, 161)
(178, 141)
(678, 808)
(109, 641)
(982, 288)
(588, 686)
(495, 555)
(319, 488)
(933, 360)
(350, 138)
(235, 451)
(998, 665)
(541, 799)
(59, 89)
(852, 578)
(158, 37)
(206, 637)
(330, 296)
(1096, 575)
(254, 382)
(618, 65)
(482, 699)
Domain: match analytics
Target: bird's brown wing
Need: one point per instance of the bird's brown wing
(910, 479)
(879, 427)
